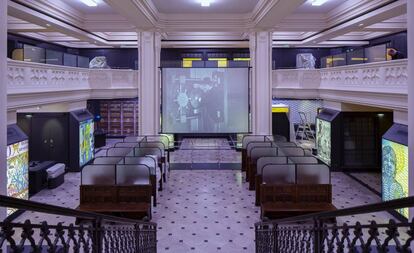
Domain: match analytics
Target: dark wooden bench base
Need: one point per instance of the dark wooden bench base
(136, 211)
(284, 210)
(289, 200)
(131, 201)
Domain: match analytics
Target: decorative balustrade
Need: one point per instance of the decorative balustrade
(96, 233)
(28, 77)
(386, 77)
(323, 232)
(390, 76)
(296, 78)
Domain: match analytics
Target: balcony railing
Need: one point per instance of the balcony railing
(96, 233)
(387, 77)
(28, 77)
(316, 233)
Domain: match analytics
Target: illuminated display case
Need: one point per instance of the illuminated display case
(17, 165)
(328, 137)
(81, 132)
(86, 141)
(395, 165)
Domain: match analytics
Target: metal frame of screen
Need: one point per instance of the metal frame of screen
(248, 99)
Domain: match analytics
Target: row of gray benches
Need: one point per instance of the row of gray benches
(287, 179)
(123, 178)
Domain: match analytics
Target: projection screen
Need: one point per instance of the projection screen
(205, 100)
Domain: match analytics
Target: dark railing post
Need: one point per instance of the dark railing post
(276, 239)
(317, 236)
(138, 240)
(98, 235)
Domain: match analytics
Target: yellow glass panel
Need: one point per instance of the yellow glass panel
(188, 62)
(221, 62)
(241, 59)
(280, 109)
(359, 59)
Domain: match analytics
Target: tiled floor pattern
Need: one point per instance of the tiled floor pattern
(208, 211)
(373, 180)
(194, 150)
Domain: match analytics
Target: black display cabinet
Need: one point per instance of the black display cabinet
(361, 140)
(81, 132)
(48, 135)
(281, 124)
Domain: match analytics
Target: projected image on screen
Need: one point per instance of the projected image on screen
(18, 172)
(394, 172)
(323, 140)
(86, 142)
(205, 100)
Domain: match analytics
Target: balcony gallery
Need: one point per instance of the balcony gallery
(206, 126)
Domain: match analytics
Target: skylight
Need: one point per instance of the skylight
(90, 3)
(318, 2)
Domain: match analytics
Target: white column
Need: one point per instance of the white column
(261, 82)
(149, 50)
(410, 29)
(3, 101)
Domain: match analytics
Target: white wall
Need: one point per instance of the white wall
(3, 98)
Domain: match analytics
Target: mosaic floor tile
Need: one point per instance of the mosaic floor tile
(208, 210)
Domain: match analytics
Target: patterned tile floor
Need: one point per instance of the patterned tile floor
(205, 151)
(373, 180)
(208, 210)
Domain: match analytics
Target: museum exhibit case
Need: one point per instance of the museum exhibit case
(17, 166)
(328, 136)
(395, 165)
(82, 139)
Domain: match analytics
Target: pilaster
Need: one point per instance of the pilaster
(261, 81)
(149, 51)
(410, 29)
(3, 102)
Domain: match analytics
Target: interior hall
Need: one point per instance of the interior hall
(266, 126)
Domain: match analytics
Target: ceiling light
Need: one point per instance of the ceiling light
(361, 25)
(205, 3)
(90, 3)
(48, 25)
(318, 2)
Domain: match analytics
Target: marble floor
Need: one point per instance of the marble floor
(197, 150)
(372, 180)
(209, 210)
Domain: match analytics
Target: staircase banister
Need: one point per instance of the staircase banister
(28, 205)
(371, 208)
